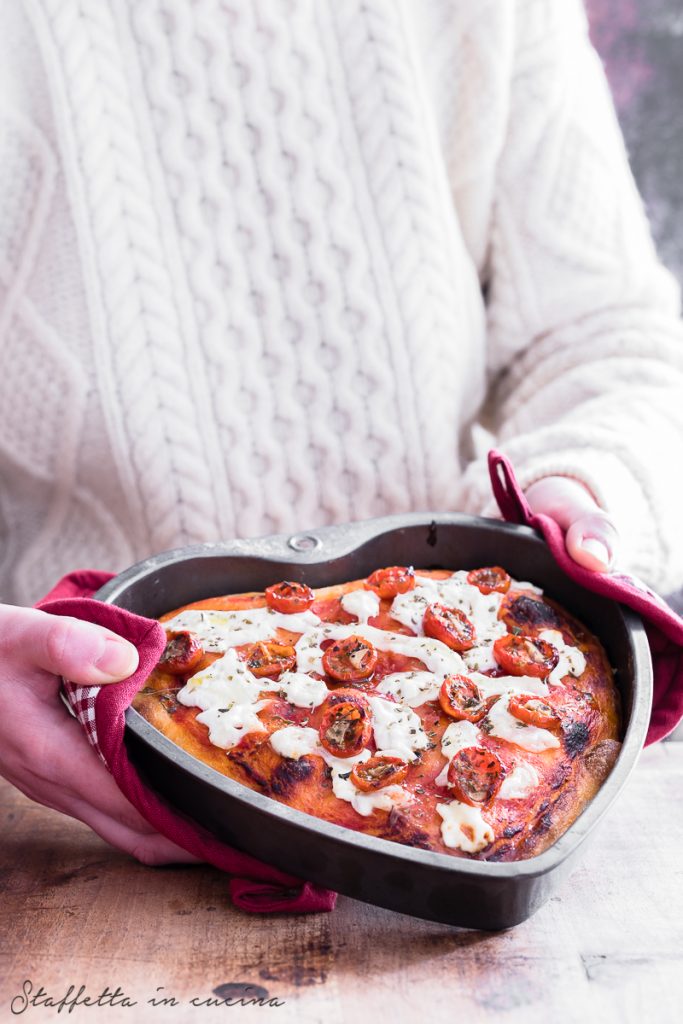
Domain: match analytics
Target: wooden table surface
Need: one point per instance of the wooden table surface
(608, 948)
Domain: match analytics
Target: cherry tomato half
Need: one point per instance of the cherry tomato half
(289, 598)
(533, 710)
(525, 655)
(460, 698)
(345, 728)
(380, 770)
(349, 694)
(475, 775)
(350, 660)
(489, 579)
(397, 579)
(270, 659)
(450, 626)
(182, 654)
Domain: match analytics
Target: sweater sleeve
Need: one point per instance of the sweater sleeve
(585, 355)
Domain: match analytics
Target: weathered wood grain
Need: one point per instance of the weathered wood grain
(609, 948)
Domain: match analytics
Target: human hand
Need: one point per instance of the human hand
(591, 537)
(43, 750)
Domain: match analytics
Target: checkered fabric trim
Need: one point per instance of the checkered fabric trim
(81, 700)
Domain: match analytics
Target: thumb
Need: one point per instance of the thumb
(81, 651)
(591, 538)
(593, 541)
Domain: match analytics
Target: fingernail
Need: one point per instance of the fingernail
(597, 549)
(118, 660)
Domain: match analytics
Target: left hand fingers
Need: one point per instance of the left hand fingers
(591, 538)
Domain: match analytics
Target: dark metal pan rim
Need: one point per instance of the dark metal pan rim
(335, 542)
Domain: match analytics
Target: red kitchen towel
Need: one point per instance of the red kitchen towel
(256, 887)
(663, 626)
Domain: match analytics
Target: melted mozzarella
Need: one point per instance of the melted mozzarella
(520, 782)
(455, 737)
(382, 799)
(364, 604)
(507, 727)
(411, 688)
(492, 686)
(435, 655)
(572, 661)
(397, 727)
(301, 690)
(225, 682)
(227, 726)
(464, 827)
(458, 735)
(480, 658)
(295, 741)
(217, 631)
(455, 592)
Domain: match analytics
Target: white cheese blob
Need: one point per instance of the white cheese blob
(519, 783)
(382, 799)
(464, 827)
(572, 661)
(364, 604)
(228, 685)
(435, 655)
(397, 727)
(455, 737)
(507, 727)
(493, 686)
(411, 688)
(299, 689)
(225, 682)
(480, 658)
(458, 735)
(454, 592)
(217, 631)
(227, 726)
(295, 741)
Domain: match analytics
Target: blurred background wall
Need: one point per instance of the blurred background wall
(641, 44)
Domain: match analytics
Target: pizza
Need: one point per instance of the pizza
(464, 712)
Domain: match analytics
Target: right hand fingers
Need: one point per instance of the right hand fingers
(81, 651)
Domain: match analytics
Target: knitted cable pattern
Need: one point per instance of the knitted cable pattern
(242, 252)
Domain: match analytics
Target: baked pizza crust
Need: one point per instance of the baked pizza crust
(569, 777)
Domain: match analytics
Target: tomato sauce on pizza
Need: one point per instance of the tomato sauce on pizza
(461, 712)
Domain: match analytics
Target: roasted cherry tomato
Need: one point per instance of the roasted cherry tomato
(349, 694)
(380, 770)
(460, 698)
(350, 660)
(289, 598)
(489, 579)
(475, 775)
(270, 659)
(533, 710)
(345, 728)
(450, 626)
(182, 654)
(525, 655)
(397, 579)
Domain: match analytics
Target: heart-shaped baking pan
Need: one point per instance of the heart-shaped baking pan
(429, 885)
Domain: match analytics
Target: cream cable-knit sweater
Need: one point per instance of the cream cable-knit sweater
(244, 246)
